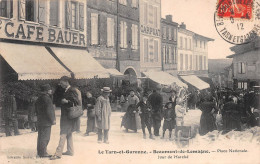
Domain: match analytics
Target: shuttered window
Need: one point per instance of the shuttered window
(94, 29)
(190, 62)
(54, 12)
(75, 15)
(155, 15)
(170, 55)
(6, 8)
(175, 34)
(241, 68)
(151, 15)
(134, 36)
(123, 34)
(42, 11)
(81, 16)
(110, 32)
(146, 48)
(170, 33)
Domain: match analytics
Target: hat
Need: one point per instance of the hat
(45, 87)
(65, 78)
(106, 89)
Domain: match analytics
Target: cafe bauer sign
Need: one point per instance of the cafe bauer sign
(40, 33)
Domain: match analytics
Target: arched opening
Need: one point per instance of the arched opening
(131, 76)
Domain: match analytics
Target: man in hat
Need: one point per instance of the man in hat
(46, 118)
(156, 101)
(67, 126)
(10, 113)
(103, 113)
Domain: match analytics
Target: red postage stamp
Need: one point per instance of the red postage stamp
(235, 8)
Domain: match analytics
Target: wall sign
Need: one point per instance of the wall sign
(40, 33)
(150, 31)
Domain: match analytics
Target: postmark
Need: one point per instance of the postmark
(238, 21)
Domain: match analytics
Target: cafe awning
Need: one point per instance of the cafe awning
(32, 62)
(81, 63)
(196, 82)
(164, 78)
(114, 72)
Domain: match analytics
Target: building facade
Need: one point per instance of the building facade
(169, 45)
(150, 35)
(192, 52)
(246, 65)
(102, 31)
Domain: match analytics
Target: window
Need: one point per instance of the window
(6, 8)
(151, 15)
(164, 54)
(186, 46)
(110, 32)
(190, 44)
(164, 33)
(94, 29)
(155, 17)
(145, 18)
(123, 2)
(241, 68)
(170, 33)
(205, 63)
(54, 12)
(170, 55)
(239, 85)
(200, 62)
(190, 62)
(186, 62)
(75, 15)
(181, 44)
(258, 68)
(30, 10)
(175, 34)
(156, 50)
(146, 48)
(123, 34)
(200, 44)
(135, 3)
(134, 36)
(181, 62)
(204, 45)
(167, 55)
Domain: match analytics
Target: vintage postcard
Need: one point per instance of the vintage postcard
(129, 81)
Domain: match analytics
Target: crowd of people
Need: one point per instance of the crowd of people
(222, 110)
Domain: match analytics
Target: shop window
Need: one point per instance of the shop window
(241, 68)
(123, 34)
(94, 29)
(134, 36)
(146, 50)
(110, 32)
(54, 12)
(6, 8)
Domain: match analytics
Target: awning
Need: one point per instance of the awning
(164, 78)
(32, 62)
(114, 72)
(81, 63)
(196, 82)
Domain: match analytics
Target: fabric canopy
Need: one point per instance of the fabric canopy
(164, 78)
(114, 72)
(81, 63)
(196, 82)
(32, 62)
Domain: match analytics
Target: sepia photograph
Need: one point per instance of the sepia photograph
(129, 81)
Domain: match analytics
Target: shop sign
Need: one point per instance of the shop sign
(40, 33)
(150, 31)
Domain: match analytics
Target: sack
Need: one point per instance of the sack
(75, 112)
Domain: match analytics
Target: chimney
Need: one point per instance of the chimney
(169, 18)
(183, 25)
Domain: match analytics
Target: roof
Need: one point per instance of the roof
(204, 37)
(32, 62)
(81, 63)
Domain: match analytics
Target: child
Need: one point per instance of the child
(179, 110)
(146, 116)
(169, 119)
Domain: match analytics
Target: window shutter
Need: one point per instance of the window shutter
(81, 16)
(133, 36)
(155, 17)
(42, 12)
(94, 28)
(54, 12)
(109, 35)
(21, 9)
(112, 32)
(146, 48)
(125, 35)
(243, 67)
(122, 34)
(156, 49)
(145, 13)
(68, 14)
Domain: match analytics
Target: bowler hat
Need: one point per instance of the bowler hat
(45, 87)
(106, 89)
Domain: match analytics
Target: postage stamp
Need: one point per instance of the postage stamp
(238, 21)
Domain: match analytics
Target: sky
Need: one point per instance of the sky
(198, 15)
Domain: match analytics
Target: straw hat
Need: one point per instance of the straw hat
(106, 89)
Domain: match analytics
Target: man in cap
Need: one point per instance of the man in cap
(156, 101)
(103, 113)
(46, 118)
(67, 126)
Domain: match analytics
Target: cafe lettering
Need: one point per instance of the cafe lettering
(38, 33)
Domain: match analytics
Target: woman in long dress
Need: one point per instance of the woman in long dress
(89, 104)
